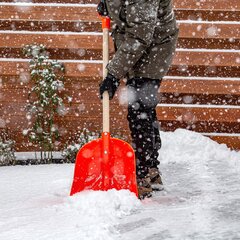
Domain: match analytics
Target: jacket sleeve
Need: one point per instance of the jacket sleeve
(141, 18)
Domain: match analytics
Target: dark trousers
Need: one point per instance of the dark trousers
(143, 123)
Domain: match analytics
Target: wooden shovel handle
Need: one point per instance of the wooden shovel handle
(106, 108)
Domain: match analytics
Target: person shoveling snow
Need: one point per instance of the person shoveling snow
(145, 37)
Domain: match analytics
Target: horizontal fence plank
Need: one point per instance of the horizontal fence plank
(174, 97)
(232, 5)
(80, 21)
(200, 86)
(231, 142)
(207, 4)
(15, 93)
(202, 127)
(66, 124)
(13, 115)
(56, 40)
(194, 114)
(87, 114)
(60, 54)
(93, 70)
(73, 69)
(206, 30)
(87, 109)
(188, 29)
(209, 43)
(56, 13)
(61, 26)
(168, 85)
(202, 99)
(207, 58)
(184, 59)
(207, 15)
(119, 122)
(190, 41)
(95, 54)
(88, 14)
(204, 71)
(17, 39)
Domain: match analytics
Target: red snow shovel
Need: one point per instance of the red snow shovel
(107, 162)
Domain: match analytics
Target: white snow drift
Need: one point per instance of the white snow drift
(201, 199)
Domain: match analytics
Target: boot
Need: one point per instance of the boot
(144, 188)
(155, 179)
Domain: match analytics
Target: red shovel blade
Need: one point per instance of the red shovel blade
(98, 169)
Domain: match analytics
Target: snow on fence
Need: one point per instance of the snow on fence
(200, 93)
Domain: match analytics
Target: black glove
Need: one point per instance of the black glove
(102, 8)
(110, 84)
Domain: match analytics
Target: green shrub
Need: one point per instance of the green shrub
(45, 100)
(7, 156)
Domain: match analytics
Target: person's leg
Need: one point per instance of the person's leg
(143, 123)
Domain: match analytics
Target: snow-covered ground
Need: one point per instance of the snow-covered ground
(201, 199)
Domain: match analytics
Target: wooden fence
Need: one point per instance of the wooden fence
(200, 93)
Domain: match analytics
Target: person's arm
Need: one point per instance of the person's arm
(141, 17)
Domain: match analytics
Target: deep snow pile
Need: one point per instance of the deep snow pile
(201, 199)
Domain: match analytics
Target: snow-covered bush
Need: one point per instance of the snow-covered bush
(82, 137)
(7, 156)
(45, 100)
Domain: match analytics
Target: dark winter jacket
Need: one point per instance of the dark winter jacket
(145, 36)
